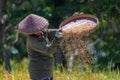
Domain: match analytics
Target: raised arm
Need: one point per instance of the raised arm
(56, 41)
(41, 46)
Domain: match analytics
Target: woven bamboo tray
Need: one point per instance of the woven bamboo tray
(81, 24)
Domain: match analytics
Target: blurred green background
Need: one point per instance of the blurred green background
(12, 43)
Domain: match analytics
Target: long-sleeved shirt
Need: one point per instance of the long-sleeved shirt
(40, 54)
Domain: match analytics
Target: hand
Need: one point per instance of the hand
(59, 33)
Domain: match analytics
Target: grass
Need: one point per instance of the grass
(19, 72)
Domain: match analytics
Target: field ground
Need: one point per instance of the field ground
(19, 72)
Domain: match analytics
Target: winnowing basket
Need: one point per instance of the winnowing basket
(81, 24)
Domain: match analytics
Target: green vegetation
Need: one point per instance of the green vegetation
(12, 43)
(20, 73)
(107, 11)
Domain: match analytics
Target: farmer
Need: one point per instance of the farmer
(40, 50)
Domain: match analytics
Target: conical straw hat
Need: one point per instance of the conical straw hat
(32, 23)
(81, 24)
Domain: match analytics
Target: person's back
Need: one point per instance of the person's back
(41, 61)
(41, 57)
(40, 50)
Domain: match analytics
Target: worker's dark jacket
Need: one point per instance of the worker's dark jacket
(41, 57)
